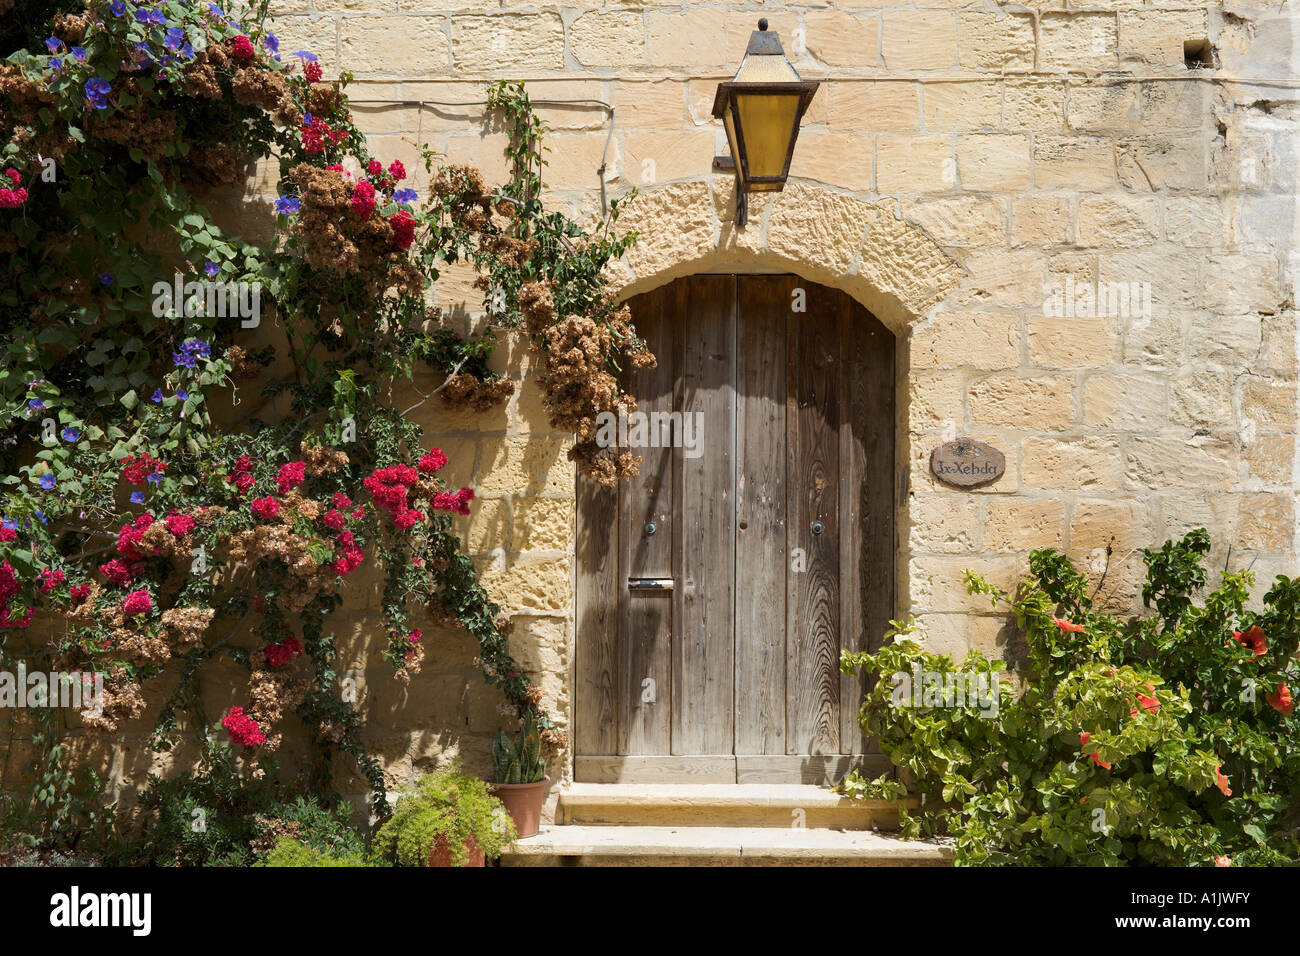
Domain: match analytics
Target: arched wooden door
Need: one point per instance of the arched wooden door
(716, 591)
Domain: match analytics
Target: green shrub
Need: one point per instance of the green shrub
(290, 852)
(1161, 740)
(449, 804)
(214, 817)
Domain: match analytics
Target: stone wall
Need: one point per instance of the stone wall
(959, 159)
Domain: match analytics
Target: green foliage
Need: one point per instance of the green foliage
(451, 805)
(290, 852)
(519, 760)
(215, 817)
(1158, 740)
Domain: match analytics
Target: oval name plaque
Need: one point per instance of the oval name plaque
(967, 462)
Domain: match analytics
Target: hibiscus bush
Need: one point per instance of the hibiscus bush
(1166, 739)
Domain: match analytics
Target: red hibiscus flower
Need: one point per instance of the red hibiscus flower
(1221, 781)
(1068, 626)
(1084, 737)
(1253, 640)
(1280, 700)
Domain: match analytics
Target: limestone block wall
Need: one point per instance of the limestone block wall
(961, 161)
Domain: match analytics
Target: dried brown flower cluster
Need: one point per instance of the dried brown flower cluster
(242, 365)
(270, 693)
(468, 391)
(275, 539)
(576, 379)
(19, 115)
(253, 86)
(334, 240)
(123, 701)
(321, 460)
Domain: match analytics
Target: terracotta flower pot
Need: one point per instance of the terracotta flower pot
(440, 855)
(523, 801)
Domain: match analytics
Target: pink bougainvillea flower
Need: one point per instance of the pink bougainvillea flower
(333, 520)
(397, 170)
(1280, 700)
(179, 524)
(403, 224)
(414, 636)
(277, 655)
(242, 728)
(1223, 861)
(408, 519)
(431, 461)
(290, 475)
(265, 508)
(1068, 626)
(363, 200)
(79, 592)
(137, 602)
(137, 470)
(1252, 639)
(243, 49)
(51, 578)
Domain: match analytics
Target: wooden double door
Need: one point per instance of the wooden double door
(716, 590)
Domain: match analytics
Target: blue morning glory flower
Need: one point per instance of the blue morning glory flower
(35, 404)
(155, 478)
(307, 56)
(97, 90)
(196, 347)
(106, 278)
(173, 38)
(405, 196)
(117, 8)
(187, 51)
(157, 395)
(9, 523)
(184, 359)
(41, 515)
(56, 64)
(272, 43)
(308, 119)
(69, 434)
(155, 17)
(53, 44)
(287, 205)
(211, 268)
(137, 497)
(80, 53)
(183, 395)
(47, 481)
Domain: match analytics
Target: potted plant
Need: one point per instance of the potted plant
(451, 819)
(520, 770)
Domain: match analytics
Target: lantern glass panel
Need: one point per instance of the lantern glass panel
(767, 122)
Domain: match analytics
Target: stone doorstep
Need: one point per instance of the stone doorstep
(720, 846)
(736, 805)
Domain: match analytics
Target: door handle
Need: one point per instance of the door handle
(649, 584)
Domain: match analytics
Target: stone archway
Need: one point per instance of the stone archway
(894, 269)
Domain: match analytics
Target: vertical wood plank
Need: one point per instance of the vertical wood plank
(704, 652)
(873, 415)
(813, 628)
(597, 605)
(762, 558)
(646, 659)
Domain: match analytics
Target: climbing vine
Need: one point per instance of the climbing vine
(197, 450)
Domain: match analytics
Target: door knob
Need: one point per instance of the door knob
(818, 527)
(650, 527)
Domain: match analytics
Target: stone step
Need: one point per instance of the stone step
(719, 846)
(721, 805)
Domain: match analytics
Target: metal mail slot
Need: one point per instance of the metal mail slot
(649, 584)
